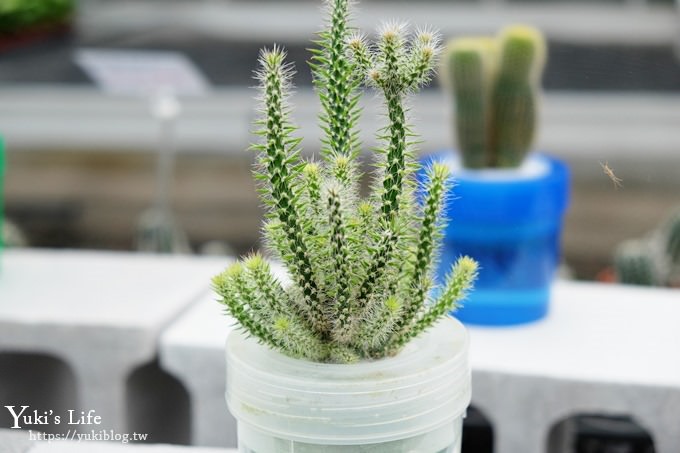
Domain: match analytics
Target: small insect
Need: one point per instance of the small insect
(618, 182)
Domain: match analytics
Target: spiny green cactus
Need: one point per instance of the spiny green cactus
(360, 269)
(495, 84)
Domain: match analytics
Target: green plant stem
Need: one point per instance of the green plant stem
(378, 263)
(334, 81)
(458, 283)
(341, 264)
(396, 150)
(277, 162)
(233, 287)
(430, 231)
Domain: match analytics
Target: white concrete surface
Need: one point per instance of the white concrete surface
(606, 349)
(101, 313)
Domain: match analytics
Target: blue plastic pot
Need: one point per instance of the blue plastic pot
(510, 222)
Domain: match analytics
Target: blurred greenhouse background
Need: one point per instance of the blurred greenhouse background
(81, 163)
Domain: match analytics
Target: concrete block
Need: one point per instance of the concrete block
(99, 312)
(192, 350)
(605, 349)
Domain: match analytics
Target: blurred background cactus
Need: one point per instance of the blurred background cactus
(636, 264)
(495, 84)
(653, 260)
(672, 234)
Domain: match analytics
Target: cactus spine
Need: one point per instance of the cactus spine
(361, 269)
(495, 84)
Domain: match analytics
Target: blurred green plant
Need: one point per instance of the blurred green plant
(18, 15)
(653, 260)
(495, 84)
(636, 264)
(361, 269)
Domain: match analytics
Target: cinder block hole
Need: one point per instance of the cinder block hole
(158, 405)
(594, 433)
(44, 383)
(477, 432)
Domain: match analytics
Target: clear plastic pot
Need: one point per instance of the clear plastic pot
(413, 402)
